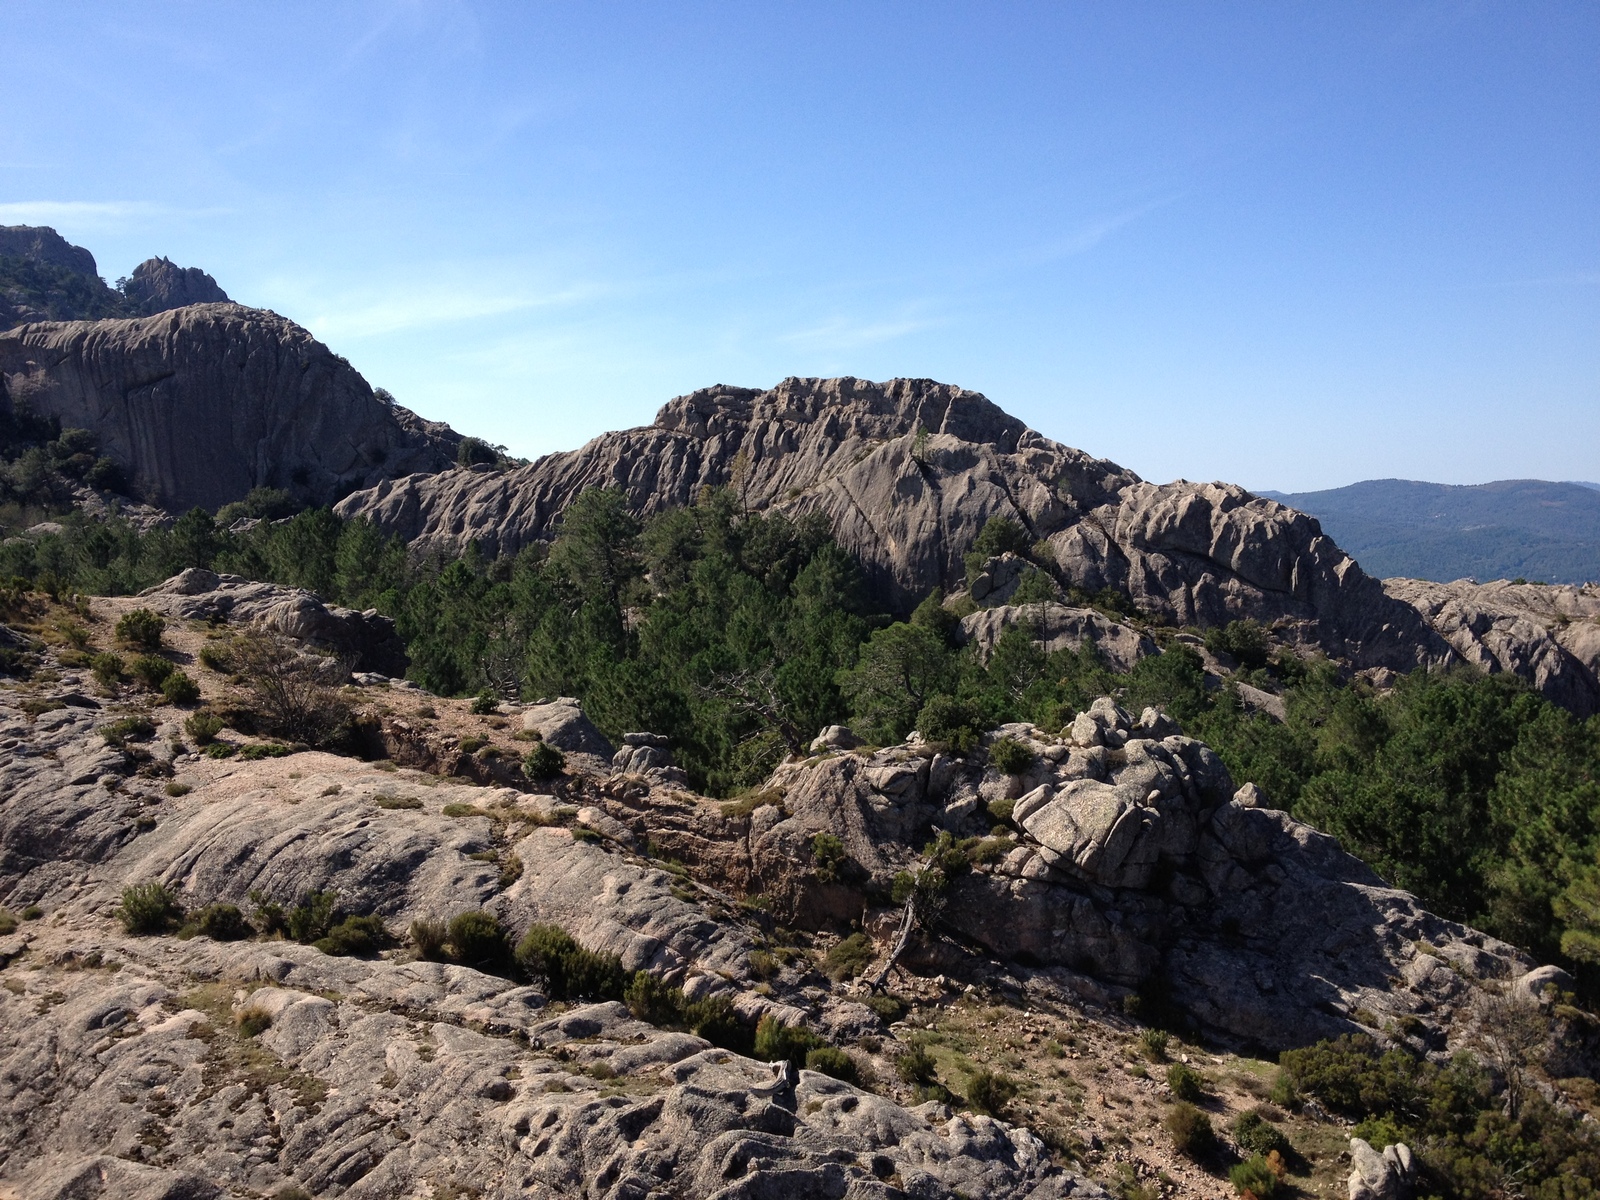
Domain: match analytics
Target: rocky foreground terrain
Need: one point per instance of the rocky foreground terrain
(907, 473)
(1119, 872)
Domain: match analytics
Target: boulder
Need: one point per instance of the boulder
(159, 284)
(834, 737)
(562, 724)
(1385, 1176)
(1058, 627)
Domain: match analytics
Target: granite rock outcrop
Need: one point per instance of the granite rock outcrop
(201, 404)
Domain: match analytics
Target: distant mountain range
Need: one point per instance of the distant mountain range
(1514, 528)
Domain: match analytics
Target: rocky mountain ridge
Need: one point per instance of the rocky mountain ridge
(907, 473)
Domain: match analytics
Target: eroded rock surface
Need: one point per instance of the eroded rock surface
(1548, 635)
(203, 403)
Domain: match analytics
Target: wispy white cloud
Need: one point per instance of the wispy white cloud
(92, 215)
(843, 333)
(1090, 235)
(398, 312)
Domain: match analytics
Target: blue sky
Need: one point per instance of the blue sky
(1289, 245)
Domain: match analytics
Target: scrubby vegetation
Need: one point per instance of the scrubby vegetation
(1474, 1139)
(741, 634)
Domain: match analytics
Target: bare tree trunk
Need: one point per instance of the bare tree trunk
(908, 926)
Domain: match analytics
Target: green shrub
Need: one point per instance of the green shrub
(887, 1007)
(221, 750)
(1009, 756)
(203, 727)
(149, 908)
(1255, 1176)
(1354, 1076)
(108, 670)
(916, 1066)
(127, 729)
(259, 750)
(218, 657)
(1254, 1134)
(649, 999)
(142, 628)
(458, 809)
(485, 702)
(311, 918)
(776, 1041)
(151, 670)
(1190, 1129)
(827, 852)
(252, 1021)
(849, 957)
(1185, 1082)
(355, 937)
(830, 1060)
(1000, 810)
(544, 761)
(384, 800)
(222, 922)
(989, 1092)
(1153, 1044)
(477, 939)
(568, 970)
(715, 1020)
(8, 923)
(1244, 641)
(32, 913)
(950, 722)
(429, 937)
(179, 688)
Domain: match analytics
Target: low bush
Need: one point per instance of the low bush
(176, 789)
(1186, 1083)
(151, 670)
(543, 762)
(179, 688)
(253, 1021)
(203, 727)
(259, 750)
(510, 871)
(8, 923)
(485, 702)
(849, 957)
(950, 722)
(776, 1041)
(827, 855)
(128, 729)
(1153, 1044)
(1254, 1134)
(1190, 1129)
(830, 1060)
(1009, 756)
(477, 939)
(32, 913)
(384, 800)
(312, 917)
(218, 656)
(222, 922)
(149, 908)
(108, 670)
(989, 1092)
(428, 938)
(887, 1007)
(1256, 1176)
(221, 750)
(568, 970)
(141, 628)
(916, 1066)
(355, 937)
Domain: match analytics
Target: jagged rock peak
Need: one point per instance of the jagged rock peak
(159, 284)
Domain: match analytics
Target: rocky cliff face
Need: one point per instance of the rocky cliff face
(203, 403)
(908, 504)
(41, 244)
